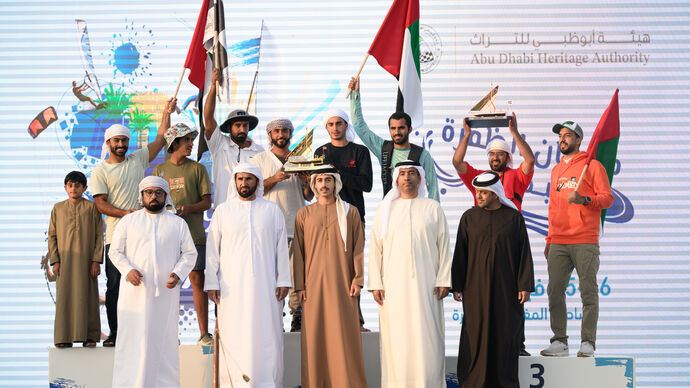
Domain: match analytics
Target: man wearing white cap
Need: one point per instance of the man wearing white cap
(114, 188)
(328, 269)
(409, 274)
(248, 276)
(493, 276)
(154, 250)
(190, 189)
(391, 152)
(227, 151)
(288, 191)
(573, 238)
(515, 181)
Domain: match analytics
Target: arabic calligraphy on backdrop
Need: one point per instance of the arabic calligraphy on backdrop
(560, 50)
(546, 154)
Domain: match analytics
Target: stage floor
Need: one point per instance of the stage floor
(82, 367)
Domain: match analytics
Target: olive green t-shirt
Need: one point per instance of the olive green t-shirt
(188, 183)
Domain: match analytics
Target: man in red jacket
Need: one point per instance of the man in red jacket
(573, 238)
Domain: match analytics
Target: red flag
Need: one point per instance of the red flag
(609, 128)
(196, 57)
(387, 46)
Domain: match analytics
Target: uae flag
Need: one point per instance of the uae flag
(603, 146)
(396, 49)
(201, 59)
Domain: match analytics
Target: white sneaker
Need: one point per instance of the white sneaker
(556, 349)
(586, 350)
(206, 340)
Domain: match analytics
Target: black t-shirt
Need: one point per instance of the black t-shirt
(354, 165)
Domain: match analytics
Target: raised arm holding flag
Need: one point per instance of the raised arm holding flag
(396, 49)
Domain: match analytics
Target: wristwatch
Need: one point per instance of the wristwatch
(587, 201)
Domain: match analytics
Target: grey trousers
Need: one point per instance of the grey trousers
(584, 258)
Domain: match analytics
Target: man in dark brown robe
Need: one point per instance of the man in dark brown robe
(328, 272)
(493, 275)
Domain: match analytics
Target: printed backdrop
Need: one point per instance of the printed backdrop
(554, 61)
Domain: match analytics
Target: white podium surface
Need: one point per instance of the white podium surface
(82, 367)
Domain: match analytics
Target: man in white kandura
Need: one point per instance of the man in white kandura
(154, 251)
(248, 276)
(409, 274)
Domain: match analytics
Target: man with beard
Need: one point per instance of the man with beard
(515, 181)
(288, 191)
(573, 238)
(409, 274)
(493, 276)
(328, 269)
(114, 188)
(391, 152)
(190, 189)
(154, 250)
(227, 151)
(248, 276)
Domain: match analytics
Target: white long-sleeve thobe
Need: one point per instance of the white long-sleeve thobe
(247, 259)
(412, 259)
(156, 245)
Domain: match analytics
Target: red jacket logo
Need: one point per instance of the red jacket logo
(351, 164)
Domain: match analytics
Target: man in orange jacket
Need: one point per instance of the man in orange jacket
(573, 238)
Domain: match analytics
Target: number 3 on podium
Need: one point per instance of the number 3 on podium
(539, 375)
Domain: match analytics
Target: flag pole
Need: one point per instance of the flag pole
(177, 89)
(358, 71)
(581, 176)
(216, 58)
(258, 61)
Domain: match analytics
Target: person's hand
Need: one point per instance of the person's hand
(354, 84)
(304, 176)
(215, 76)
(182, 211)
(466, 126)
(546, 251)
(281, 292)
(171, 106)
(214, 295)
(441, 292)
(174, 279)
(457, 296)
(280, 176)
(130, 211)
(56, 269)
(513, 124)
(379, 296)
(95, 269)
(576, 198)
(355, 290)
(134, 277)
(302, 297)
(523, 296)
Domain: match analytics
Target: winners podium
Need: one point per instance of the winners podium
(93, 368)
